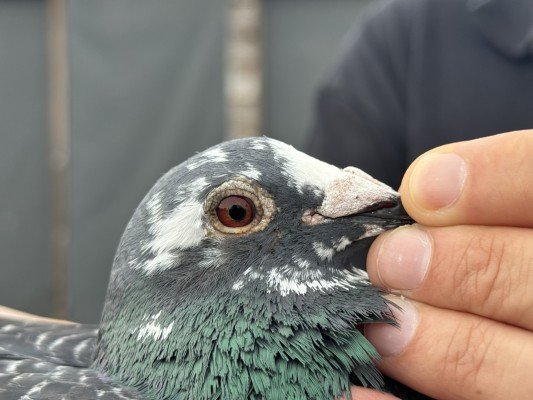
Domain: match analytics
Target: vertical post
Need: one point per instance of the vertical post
(244, 75)
(59, 149)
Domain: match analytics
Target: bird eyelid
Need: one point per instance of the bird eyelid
(245, 187)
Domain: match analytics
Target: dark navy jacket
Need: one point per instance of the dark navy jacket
(415, 74)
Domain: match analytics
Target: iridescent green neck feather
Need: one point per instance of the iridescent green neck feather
(236, 346)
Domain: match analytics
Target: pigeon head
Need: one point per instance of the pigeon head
(234, 278)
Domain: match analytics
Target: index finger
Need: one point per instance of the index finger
(487, 181)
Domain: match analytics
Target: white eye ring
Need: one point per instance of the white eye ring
(245, 187)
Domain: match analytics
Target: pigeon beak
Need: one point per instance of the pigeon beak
(355, 193)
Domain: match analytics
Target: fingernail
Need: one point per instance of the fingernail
(391, 340)
(438, 180)
(403, 258)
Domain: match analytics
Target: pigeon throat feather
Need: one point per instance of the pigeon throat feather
(230, 345)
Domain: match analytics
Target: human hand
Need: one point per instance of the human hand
(466, 273)
(11, 313)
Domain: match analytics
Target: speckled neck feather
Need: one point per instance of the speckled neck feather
(229, 346)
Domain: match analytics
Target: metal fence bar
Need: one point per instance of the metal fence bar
(59, 150)
(244, 74)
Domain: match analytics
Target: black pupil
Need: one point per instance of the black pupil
(237, 213)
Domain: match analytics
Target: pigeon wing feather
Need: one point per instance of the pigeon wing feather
(41, 361)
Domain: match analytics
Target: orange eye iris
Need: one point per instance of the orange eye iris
(235, 211)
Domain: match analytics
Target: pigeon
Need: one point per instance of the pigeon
(234, 279)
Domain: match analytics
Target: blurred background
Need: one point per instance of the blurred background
(99, 98)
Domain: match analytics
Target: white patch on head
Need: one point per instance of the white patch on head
(159, 262)
(251, 172)
(303, 170)
(238, 285)
(258, 145)
(253, 275)
(277, 281)
(210, 258)
(214, 155)
(153, 206)
(342, 243)
(371, 230)
(289, 279)
(323, 252)
(304, 264)
(356, 275)
(348, 279)
(153, 329)
(346, 192)
(178, 230)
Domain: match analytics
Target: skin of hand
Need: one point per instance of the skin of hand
(463, 276)
(6, 312)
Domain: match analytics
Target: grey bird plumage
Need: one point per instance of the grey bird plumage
(232, 280)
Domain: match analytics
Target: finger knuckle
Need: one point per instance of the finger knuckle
(465, 356)
(520, 281)
(482, 282)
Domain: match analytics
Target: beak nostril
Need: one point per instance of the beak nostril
(380, 206)
(387, 204)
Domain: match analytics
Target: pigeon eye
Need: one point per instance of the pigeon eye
(235, 211)
(238, 206)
